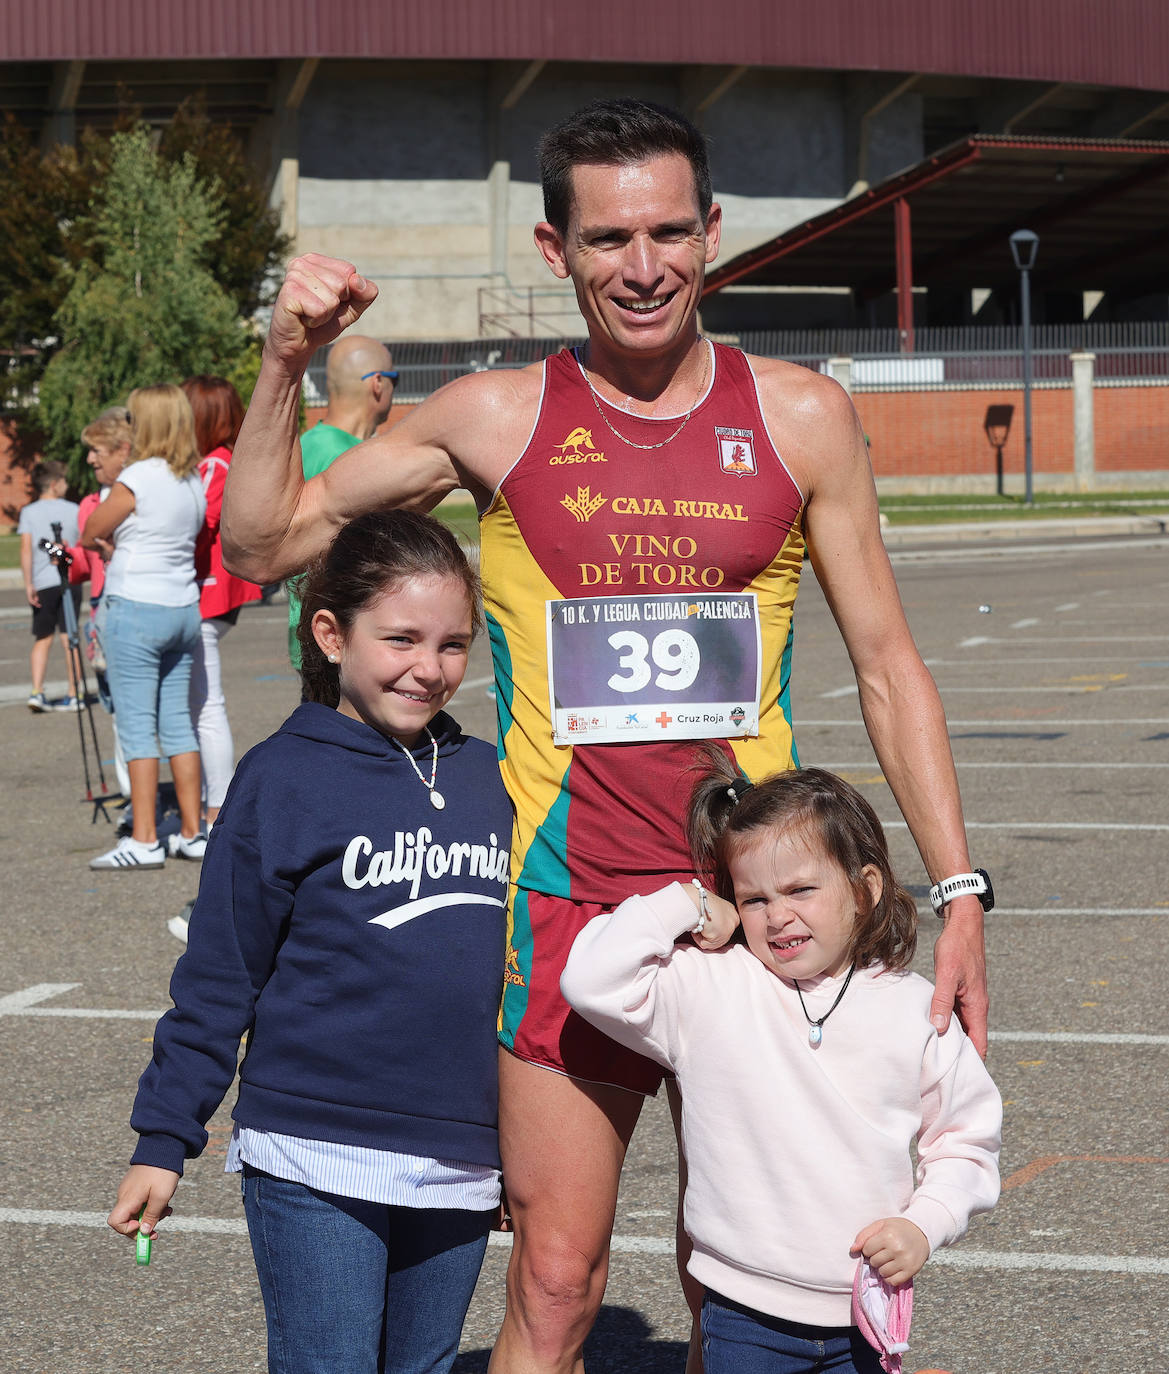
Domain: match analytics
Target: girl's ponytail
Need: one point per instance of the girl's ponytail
(716, 793)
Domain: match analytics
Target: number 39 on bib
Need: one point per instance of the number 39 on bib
(624, 670)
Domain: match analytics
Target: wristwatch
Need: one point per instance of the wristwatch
(976, 883)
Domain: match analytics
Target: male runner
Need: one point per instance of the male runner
(653, 474)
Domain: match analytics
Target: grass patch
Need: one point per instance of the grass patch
(461, 516)
(9, 550)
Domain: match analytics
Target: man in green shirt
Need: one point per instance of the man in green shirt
(359, 379)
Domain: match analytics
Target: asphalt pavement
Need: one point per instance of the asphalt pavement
(1052, 656)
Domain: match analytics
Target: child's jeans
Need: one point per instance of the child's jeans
(360, 1287)
(737, 1340)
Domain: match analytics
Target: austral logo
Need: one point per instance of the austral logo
(577, 447)
(736, 451)
(511, 969)
(584, 505)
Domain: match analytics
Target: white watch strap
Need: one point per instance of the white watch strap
(957, 886)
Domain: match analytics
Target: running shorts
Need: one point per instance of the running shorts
(535, 1022)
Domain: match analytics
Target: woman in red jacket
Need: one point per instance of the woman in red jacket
(219, 412)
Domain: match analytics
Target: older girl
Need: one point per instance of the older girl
(350, 922)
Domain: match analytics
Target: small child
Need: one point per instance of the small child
(42, 580)
(806, 1062)
(350, 922)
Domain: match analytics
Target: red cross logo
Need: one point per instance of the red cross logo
(663, 720)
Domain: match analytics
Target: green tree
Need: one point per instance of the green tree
(46, 224)
(145, 306)
(249, 249)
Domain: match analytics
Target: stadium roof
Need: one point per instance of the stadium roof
(1123, 43)
(1100, 208)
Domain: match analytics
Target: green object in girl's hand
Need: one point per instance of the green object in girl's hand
(142, 1244)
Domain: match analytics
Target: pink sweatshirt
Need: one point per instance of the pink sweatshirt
(793, 1150)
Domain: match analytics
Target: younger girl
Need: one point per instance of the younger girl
(350, 921)
(806, 1062)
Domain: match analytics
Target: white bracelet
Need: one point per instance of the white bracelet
(705, 913)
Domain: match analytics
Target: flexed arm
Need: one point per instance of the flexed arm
(466, 434)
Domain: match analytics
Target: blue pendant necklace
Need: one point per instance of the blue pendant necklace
(815, 1028)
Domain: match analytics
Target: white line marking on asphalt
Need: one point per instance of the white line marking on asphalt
(974, 641)
(1079, 1038)
(984, 662)
(1044, 825)
(1026, 623)
(1013, 763)
(23, 1003)
(1000, 911)
(16, 1002)
(1077, 689)
(1025, 723)
(1069, 606)
(1074, 639)
(1084, 1264)
(645, 1245)
(851, 690)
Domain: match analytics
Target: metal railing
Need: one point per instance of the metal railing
(974, 357)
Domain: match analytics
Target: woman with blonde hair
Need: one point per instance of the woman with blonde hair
(146, 530)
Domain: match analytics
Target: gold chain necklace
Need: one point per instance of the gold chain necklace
(617, 433)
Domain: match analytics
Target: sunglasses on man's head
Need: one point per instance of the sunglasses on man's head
(393, 376)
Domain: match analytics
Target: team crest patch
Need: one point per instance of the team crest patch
(736, 451)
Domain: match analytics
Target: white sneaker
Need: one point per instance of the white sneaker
(178, 925)
(179, 847)
(131, 853)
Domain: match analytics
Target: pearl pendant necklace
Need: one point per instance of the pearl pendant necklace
(437, 800)
(816, 1028)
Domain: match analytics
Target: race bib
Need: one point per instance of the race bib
(626, 669)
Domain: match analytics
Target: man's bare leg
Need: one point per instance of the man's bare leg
(692, 1290)
(563, 1143)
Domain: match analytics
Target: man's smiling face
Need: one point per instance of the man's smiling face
(636, 249)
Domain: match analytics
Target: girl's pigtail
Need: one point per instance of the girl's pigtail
(712, 802)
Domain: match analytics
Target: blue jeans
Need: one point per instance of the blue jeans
(737, 1340)
(149, 651)
(360, 1286)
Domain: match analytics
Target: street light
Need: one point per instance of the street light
(1024, 247)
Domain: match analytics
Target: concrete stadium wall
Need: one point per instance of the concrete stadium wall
(417, 173)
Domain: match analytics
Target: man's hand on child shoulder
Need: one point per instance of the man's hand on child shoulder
(722, 919)
(896, 1248)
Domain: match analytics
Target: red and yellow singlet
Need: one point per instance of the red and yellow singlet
(584, 514)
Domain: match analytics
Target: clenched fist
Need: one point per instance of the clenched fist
(320, 298)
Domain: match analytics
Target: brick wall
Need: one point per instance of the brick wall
(941, 434)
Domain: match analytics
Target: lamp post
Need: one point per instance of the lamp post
(1024, 247)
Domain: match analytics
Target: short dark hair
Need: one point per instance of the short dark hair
(831, 812)
(614, 133)
(369, 555)
(46, 473)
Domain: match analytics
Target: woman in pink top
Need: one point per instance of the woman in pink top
(218, 412)
(807, 1066)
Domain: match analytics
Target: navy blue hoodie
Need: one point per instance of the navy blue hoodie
(357, 935)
